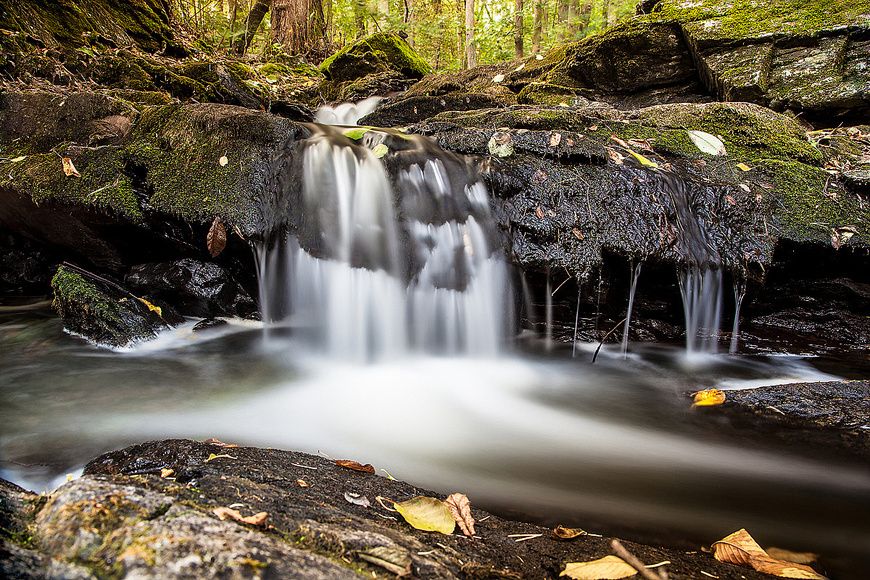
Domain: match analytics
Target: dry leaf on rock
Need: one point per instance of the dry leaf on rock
(539, 212)
(789, 556)
(427, 514)
(302, 483)
(563, 533)
(356, 466)
(213, 441)
(740, 548)
(254, 520)
(223, 160)
(380, 150)
(396, 560)
(555, 139)
(460, 509)
(709, 398)
(577, 234)
(606, 568)
(68, 168)
(707, 143)
(357, 499)
(216, 240)
(842, 235)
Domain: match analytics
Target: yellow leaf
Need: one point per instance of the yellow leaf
(743, 166)
(563, 533)
(606, 568)
(740, 548)
(709, 398)
(17, 159)
(152, 308)
(427, 514)
(380, 150)
(223, 160)
(68, 167)
(643, 160)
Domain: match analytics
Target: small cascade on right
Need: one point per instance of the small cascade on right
(700, 276)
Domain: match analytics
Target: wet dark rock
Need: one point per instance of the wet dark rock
(131, 516)
(102, 310)
(196, 288)
(208, 323)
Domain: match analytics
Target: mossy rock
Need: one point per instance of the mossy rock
(379, 52)
(101, 312)
(76, 23)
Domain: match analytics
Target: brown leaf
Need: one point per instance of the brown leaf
(367, 468)
(563, 533)
(577, 234)
(254, 520)
(216, 240)
(396, 560)
(555, 139)
(460, 509)
(606, 568)
(166, 472)
(740, 548)
(789, 556)
(620, 141)
(539, 212)
(68, 167)
(302, 483)
(213, 441)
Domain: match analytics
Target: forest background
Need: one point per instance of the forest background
(448, 34)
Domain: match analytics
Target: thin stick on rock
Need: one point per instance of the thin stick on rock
(632, 561)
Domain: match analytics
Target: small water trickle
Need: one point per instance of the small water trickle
(739, 294)
(635, 274)
(369, 270)
(576, 320)
(548, 323)
(700, 277)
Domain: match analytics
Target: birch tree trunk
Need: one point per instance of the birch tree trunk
(470, 46)
(518, 28)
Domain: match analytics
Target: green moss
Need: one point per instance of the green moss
(716, 21)
(102, 184)
(121, 73)
(548, 94)
(809, 208)
(375, 53)
(89, 309)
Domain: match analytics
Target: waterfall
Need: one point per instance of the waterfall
(700, 277)
(388, 247)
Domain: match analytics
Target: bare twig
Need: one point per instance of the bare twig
(611, 331)
(632, 561)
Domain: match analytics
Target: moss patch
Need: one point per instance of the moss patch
(378, 52)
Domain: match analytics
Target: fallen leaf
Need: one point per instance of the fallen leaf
(356, 466)
(745, 187)
(498, 78)
(151, 307)
(427, 514)
(223, 160)
(707, 143)
(577, 234)
(519, 68)
(302, 483)
(460, 509)
(606, 568)
(17, 159)
(68, 167)
(789, 556)
(730, 200)
(357, 499)
(167, 472)
(539, 212)
(709, 398)
(396, 560)
(593, 128)
(555, 139)
(216, 240)
(563, 533)
(213, 441)
(615, 156)
(620, 141)
(539, 176)
(743, 166)
(355, 133)
(222, 456)
(380, 150)
(740, 548)
(842, 235)
(643, 160)
(254, 520)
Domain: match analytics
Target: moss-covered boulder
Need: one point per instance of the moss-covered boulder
(102, 311)
(374, 65)
(82, 23)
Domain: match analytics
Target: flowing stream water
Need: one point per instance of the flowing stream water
(387, 339)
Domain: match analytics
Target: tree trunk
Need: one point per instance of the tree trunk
(538, 26)
(439, 40)
(470, 46)
(252, 23)
(518, 28)
(562, 17)
(298, 25)
(461, 53)
(409, 19)
(585, 15)
(359, 17)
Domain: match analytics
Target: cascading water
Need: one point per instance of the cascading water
(338, 275)
(701, 276)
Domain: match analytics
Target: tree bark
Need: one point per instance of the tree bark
(359, 17)
(538, 26)
(518, 28)
(252, 23)
(562, 16)
(298, 25)
(470, 46)
(461, 53)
